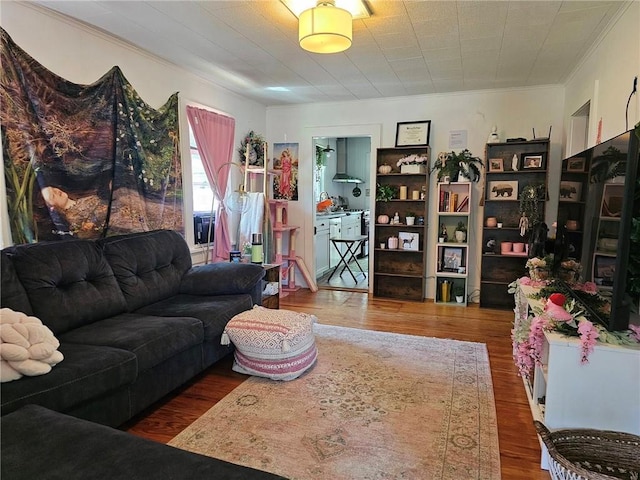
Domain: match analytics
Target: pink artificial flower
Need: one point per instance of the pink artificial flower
(635, 332)
(588, 337)
(536, 338)
(523, 359)
(590, 287)
(525, 281)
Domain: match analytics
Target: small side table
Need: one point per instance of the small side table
(271, 275)
(352, 245)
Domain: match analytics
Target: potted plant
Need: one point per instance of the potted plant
(451, 166)
(458, 292)
(410, 218)
(461, 232)
(413, 163)
(531, 208)
(384, 193)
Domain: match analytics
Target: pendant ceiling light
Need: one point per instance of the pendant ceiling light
(325, 28)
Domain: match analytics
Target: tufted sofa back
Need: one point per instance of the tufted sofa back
(67, 284)
(148, 266)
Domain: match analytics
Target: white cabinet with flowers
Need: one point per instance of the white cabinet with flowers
(572, 380)
(452, 250)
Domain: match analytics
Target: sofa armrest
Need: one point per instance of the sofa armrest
(224, 278)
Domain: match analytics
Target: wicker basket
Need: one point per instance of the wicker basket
(591, 454)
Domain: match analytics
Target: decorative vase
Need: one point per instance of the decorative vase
(418, 168)
(491, 222)
(539, 274)
(384, 169)
(393, 243)
(460, 236)
(459, 298)
(572, 225)
(383, 219)
(567, 275)
(445, 291)
(410, 220)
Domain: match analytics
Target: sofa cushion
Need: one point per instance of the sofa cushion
(12, 293)
(152, 339)
(214, 312)
(223, 278)
(39, 443)
(149, 266)
(86, 372)
(69, 283)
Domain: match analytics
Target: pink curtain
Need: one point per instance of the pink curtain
(214, 138)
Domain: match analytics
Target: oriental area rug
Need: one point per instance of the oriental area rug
(375, 406)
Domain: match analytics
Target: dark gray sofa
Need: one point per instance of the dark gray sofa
(38, 443)
(134, 318)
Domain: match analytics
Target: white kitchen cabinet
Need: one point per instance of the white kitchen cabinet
(322, 247)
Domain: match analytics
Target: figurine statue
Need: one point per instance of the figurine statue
(524, 224)
(514, 163)
(443, 233)
(396, 219)
(493, 136)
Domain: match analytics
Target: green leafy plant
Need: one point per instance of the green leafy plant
(452, 164)
(384, 193)
(462, 227)
(531, 202)
(458, 291)
(410, 214)
(321, 156)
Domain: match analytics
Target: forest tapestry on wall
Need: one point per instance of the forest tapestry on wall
(85, 161)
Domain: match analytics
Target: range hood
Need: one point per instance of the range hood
(341, 175)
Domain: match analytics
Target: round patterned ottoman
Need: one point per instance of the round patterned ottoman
(277, 344)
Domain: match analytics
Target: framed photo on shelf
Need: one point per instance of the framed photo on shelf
(576, 164)
(452, 259)
(533, 161)
(409, 241)
(413, 134)
(604, 269)
(496, 165)
(570, 191)
(503, 190)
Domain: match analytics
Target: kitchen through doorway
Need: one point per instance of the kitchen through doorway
(342, 196)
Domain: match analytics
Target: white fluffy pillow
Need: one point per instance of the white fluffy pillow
(28, 347)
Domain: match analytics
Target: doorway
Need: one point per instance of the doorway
(318, 134)
(342, 196)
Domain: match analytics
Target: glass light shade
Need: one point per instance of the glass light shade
(237, 201)
(325, 29)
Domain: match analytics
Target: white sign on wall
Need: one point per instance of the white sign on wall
(457, 139)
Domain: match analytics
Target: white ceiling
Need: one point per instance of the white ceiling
(404, 48)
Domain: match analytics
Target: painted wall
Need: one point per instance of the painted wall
(605, 78)
(82, 55)
(514, 111)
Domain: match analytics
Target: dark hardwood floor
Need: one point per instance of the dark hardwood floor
(519, 447)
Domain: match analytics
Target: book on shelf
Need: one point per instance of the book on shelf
(453, 202)
(463, 204)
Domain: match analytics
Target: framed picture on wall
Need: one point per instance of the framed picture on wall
(533, 161)
(452, 259)
(496, 165)
(413, 134)
(408, 241)
(570, 191)
(503, 190)
(576, 164)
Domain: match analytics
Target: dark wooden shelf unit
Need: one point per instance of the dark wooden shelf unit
(498, 270)
(400, 273)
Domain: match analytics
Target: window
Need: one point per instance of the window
(202, 192)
